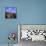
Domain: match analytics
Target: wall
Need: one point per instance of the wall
(33, 12)
(28, 12)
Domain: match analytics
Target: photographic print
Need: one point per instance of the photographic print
(10, 12)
